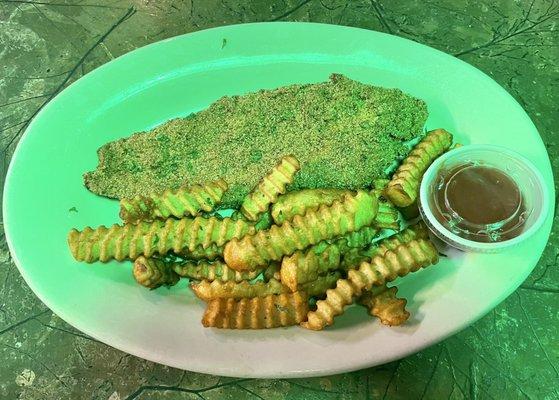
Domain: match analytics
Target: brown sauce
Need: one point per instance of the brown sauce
(479, 203)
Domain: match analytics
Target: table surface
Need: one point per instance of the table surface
(511, 353)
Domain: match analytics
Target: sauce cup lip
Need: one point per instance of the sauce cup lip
(430, 174)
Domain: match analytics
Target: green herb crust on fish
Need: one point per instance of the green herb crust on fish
(344, 133)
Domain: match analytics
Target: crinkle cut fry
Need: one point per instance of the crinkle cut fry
(357, 256)
(383, 303)
(387, 215)
(404, 259)
(152, 273)
(300, 201)
(211, 271)
(120, 242)
(306, 265)
(256, 250)
(272, 311)
(403, 188)
(206, 290)
(270, 188)
(187, 201)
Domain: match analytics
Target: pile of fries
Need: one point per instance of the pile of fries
(284, 258)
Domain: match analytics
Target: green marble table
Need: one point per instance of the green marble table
(511, 353)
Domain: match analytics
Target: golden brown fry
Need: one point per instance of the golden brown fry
(152, 273)
(404, 259)
(299, 202)
(130, 241)
(212, 271)
(382, 302)
(252, 251)
(207, 291)
(272, 311)
(189, 201)
(269, 188)
(403, 188)
(306, 265)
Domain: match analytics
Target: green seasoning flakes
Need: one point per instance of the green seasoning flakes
(344, 133)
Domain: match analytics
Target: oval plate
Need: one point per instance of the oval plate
(185, 74)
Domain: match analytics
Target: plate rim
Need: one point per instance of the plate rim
(217, 370)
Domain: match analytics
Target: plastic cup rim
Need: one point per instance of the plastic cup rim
(430, 173)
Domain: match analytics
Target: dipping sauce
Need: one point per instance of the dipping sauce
(478, 202)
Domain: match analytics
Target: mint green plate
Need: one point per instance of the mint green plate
(184, 74)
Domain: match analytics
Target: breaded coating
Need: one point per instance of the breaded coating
(344, 133)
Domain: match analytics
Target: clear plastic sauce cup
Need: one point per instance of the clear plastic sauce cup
(483, 198)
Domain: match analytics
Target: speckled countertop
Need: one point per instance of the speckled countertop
(511, 353)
